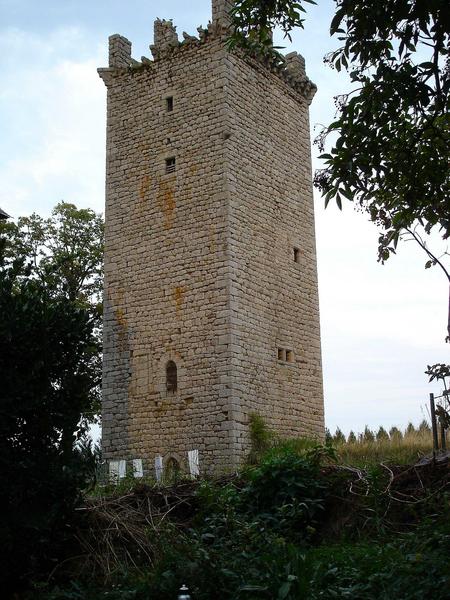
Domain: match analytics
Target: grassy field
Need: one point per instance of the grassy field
(399, 448)
(364, 449)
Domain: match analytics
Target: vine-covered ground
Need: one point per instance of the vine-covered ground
(297, 524)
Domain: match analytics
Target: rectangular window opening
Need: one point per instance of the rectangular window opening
(170, 164)
(169, 103)
(296, 255)
(285, 355)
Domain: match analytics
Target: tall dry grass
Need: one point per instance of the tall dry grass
(398, 448)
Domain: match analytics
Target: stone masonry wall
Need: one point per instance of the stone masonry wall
(274, 291)
(208, 192)
(165, 263)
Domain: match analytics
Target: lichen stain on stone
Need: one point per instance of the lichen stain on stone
(166, 200)
(122, 324)
(178, 297)
(144, 186)
(120, 318)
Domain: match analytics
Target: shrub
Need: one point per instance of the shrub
(424, 427)
(368, 435)
(339, 437)
(410, 429)
(351, 438)
(286, 491)
(261, 438)
(395, 434)
(382, 434)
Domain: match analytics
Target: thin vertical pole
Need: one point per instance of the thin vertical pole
(443, 440)
(434, 424)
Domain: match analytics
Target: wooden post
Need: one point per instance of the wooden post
(434, 424)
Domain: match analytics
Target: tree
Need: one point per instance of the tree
(439, 372)
(46, 347)
(390, 142)
(368, 435)
(351, 438)
(339, 437)
(395, 434)
(64, 253)
(382, 435)
(424, 427)
(253, 22)
(410, 430)
(50, 276)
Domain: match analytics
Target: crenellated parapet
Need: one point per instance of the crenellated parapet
(167, 44)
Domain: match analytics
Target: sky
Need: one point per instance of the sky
(381, 324)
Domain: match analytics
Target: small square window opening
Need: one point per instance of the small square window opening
(170, 164)
(281, 354)
(289, 356)
(169, 103)
(296, 255)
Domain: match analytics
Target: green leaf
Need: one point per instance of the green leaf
(284, 590)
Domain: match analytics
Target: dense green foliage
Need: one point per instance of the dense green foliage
(63, 255)
(289, 528)
(392, 151)
(49, 364)
(64, 252)
(254, 21)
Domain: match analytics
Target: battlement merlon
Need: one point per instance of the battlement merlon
(221, 12)
(296, 72)
(119, 51)
(165, 37)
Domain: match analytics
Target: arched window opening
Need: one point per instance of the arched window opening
(171, 376)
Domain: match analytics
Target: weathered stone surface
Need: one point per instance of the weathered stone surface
(200, 266)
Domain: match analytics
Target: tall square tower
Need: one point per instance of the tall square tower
(211, 306)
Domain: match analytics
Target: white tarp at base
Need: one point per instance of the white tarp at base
(138, 471)
(113, 470)
(122, 468)
(158, 467)
(194, 467)
(117, 470)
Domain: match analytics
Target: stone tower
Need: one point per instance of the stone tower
(211, 307)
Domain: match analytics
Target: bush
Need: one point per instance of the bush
(382, 434)
(339, 437)
(413, 567)
(286, 529)
(351, 438)
(286, 491)
(261, 438)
